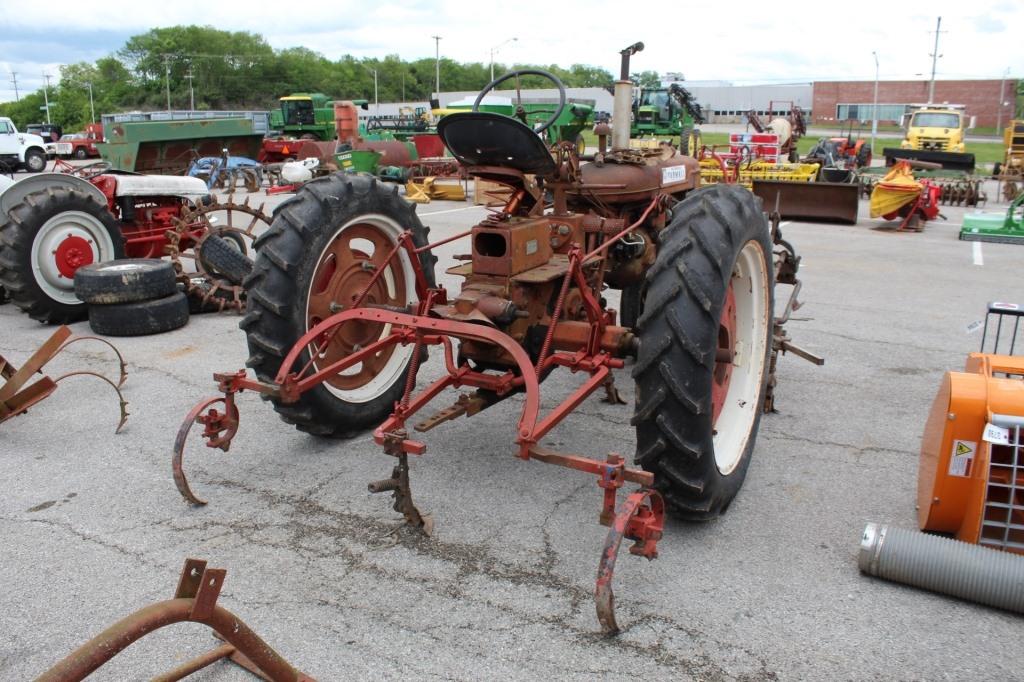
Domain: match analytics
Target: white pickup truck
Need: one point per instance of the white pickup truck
(20, 150)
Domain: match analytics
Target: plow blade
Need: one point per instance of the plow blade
(948, 160)
(827, 201)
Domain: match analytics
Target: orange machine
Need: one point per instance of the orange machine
(971, 473)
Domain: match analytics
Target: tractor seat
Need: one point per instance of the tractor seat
(482, 138)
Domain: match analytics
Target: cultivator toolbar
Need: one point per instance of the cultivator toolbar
(16, 398)
(195, 601)
(641, 519)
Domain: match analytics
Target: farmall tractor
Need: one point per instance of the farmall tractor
(51, 224)
(343, 307)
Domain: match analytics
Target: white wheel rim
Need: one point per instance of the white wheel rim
(734, 426)
(395, 365)
(49, 237)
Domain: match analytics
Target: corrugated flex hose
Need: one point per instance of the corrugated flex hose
(959, 569)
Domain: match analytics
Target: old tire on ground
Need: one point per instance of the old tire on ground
(223, 257)
(45, 240)
(709, 295)
(140, 318)
(314, 254)
(125, 281)
(35, 161)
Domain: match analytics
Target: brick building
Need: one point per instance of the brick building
(852, 100)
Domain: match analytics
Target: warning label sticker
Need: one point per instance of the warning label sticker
(673, 174)
(961, 457)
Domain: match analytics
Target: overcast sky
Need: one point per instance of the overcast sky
(739, 41)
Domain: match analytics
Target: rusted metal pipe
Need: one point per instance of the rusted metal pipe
(195, 601)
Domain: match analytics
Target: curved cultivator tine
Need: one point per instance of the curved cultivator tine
(123, 404)
(641, 519)
(219, 429)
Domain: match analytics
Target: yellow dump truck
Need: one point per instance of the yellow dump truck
(936, 133)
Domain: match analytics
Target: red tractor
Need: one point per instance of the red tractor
(54, 223)
(343, 306)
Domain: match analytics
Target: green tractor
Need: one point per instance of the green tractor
(569, 125)
(305, 115)
(667, 111)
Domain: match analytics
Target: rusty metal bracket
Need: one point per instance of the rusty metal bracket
(786, 265)
(195, 601)
(16, 398)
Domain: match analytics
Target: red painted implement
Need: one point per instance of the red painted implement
(343, 308)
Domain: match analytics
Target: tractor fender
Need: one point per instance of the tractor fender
(16, 193)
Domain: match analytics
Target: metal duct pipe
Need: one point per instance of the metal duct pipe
(939, 564)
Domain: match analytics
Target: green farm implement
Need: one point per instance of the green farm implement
(1005, 228)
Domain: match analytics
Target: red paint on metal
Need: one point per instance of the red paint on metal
(721, 376)
(72, 253)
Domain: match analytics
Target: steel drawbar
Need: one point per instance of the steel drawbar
(971, 572)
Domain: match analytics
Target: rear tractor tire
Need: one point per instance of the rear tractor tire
(45, 240)
(705, 340)
(322, 249)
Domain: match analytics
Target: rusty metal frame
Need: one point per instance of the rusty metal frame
(422, 330)
(16, 398)
(195, 601)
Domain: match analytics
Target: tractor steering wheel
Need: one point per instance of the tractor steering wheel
(520, 111)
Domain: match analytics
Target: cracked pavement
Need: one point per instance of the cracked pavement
(93, 527)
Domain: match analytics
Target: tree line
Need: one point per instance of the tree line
(240, 70)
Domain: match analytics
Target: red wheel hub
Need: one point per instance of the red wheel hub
(343, 273)
(72, 253)
(725, 354)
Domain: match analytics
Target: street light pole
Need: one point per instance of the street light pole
(92, 109)
(46, 95)
(874, 107)
(935, 57)
(495, 49)
(437, 63)
(1002, 90)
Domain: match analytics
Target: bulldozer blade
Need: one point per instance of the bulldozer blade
(947, 160)
(830, 201)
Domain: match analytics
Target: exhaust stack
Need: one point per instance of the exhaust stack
(622, 109)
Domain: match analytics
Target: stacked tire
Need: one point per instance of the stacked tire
(132, 297)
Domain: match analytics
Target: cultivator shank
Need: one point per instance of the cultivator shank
(16, 398)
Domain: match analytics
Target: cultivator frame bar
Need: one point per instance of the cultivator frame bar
(641, 519)
(194, 601)
(16, 398)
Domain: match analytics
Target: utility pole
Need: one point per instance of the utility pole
(495, 49)
(191, 91)
(1002, 90)
(46, 95)
(14, 80)
(935, 57)
(437, 63)
(92, 109)
(874, 107)
(167, 78)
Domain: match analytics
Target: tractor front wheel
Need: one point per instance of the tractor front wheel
(320, 253)
(705, 341)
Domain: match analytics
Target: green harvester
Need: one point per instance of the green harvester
(1005, 228)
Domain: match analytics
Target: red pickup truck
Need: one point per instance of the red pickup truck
(80, 145)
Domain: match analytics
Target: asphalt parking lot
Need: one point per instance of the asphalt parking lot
(93, 528)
